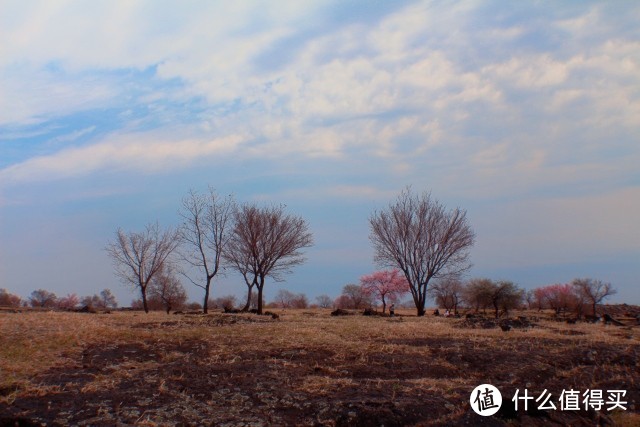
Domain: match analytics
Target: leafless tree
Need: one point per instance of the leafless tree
(266, 242)
(43, 298)
(477, 293)
(418, 236)
(244, 262)
(227, 302)
(9, 299)
(324, 301)
(69, 302)
(205, 233)
(105, 300)
(167, 290)
(138, 257)
(288, 299)
(502, 295)
(447, 293)
(353, 296)
(284, 298)
(593, 291)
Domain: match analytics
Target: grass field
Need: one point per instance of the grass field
(306, 368)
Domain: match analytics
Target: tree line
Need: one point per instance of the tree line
(258, 242)
(415, 236)
(42, 298)
(424, 246)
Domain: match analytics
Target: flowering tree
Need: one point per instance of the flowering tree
(385, 285)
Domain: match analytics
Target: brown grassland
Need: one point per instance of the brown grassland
(306, 368)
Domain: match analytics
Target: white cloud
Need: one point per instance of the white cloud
(149, 152)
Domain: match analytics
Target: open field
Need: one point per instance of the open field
(307, 368)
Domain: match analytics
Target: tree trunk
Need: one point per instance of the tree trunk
(205, 305)
(247, 306)
(260, 288)
(143, 291)
(384, 305)
(259, 299)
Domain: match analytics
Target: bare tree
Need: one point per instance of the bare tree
(477, 293)
(108, 299)
(502, 296)
(69, 302)
(227, 302)
(447, 293)
(244, 262)
(418, 236)
(266, 242)
(43, 298)
(166, 289)
(105, 300)
(8, 299)
(324, 301)
(288, 299)
(593, 291)
(353, 296)
(138, 257)
(284, 298)
(205, 233)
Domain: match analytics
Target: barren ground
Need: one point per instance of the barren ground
(307, 368)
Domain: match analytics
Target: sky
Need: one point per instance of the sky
(525, 114)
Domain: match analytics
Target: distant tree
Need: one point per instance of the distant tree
(9, 300)
(288, 299)
(69, 302)
(477, 293)
(502, 296)
(558, 297)
(227, 302)
(166, 289)
(104, 301)
(43, 298)
(593, 291)
(193, 305)
(324, 301)
(108, 299)
(422, 239)
(266, 242)
(354, 297)
(300, 300)
(538, 298)
(205, 234)
(506, 296)
(284, 298)
(447, 293)
(138, 257)
(385, 286)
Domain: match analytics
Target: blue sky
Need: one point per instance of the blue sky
(526, 114)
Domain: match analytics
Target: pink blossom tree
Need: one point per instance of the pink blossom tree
(385, 285)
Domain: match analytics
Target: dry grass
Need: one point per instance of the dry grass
(305, 368)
